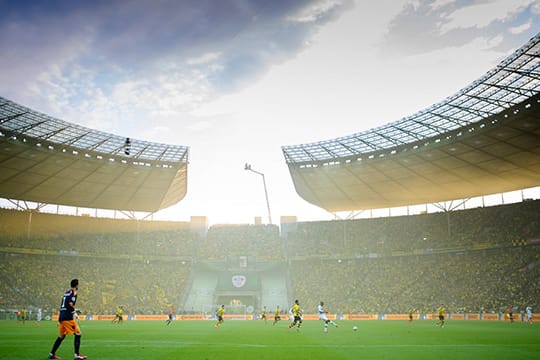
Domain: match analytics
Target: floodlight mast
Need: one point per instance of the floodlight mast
(248, 168)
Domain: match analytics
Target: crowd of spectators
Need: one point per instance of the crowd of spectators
(160, 243)
(482, 280)
(142, 286)
(480, 259)
(496, 226)
(260, 241)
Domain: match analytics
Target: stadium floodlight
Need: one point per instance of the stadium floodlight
(247, 167)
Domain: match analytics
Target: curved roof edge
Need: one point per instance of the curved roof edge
(19, 121)
(514, 80)
(497, 155)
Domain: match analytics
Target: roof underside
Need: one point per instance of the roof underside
(483, 140)
(499, 157)
(46, 160)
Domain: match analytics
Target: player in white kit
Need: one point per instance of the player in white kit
(324, 317)
(528, 310)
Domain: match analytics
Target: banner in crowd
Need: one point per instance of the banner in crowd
(362, 317)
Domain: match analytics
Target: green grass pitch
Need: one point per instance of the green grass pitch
(136, 340)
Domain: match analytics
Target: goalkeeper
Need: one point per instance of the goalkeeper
(68, 322)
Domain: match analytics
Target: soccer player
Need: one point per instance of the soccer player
(411, 312)
(39, 317)
(219, 314)
(277, 316)
(23, 315)
(511, 313)
(171, 313)
(528, 310)
(119, 317)
(263, 314)
(297, 314)
(441, 311)
(324, 317)
(68, 322)
(291, 317)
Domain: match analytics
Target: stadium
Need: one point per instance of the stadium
(483, 140)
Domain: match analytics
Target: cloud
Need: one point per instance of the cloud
(480, 15)
(203, 59)
(441, 3)
(520, 28)
(425, 26)
(316, 11)
(139, 37)
(159, 60)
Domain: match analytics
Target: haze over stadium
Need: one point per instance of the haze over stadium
(173, 109)
(235, 81)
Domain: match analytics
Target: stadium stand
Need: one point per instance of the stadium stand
(368, 265)
(487, 227)
(262, 241)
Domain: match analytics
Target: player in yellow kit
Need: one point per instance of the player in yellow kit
(119, 317)
(441, 311)
(411, 315)
(297, 316)
(219, 314)
(277, 316)
(263, 314)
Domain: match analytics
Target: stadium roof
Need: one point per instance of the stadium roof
(482, 140)
(47, 160)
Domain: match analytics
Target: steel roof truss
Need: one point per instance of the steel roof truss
(412, 133)
(373, 147)
(451, 119)
(24, 129)
(75, 139)
(391, 139)
(333, 154)
(438, 129)
(53, 133)
(305, 151)
(513, 89)
(352, 150)
(478, 112)
(504, 104)
(140, 152)
(99, 143)
(10, 117)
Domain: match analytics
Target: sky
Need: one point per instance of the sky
(235, 80)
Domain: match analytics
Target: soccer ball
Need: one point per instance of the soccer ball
(355, 328)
